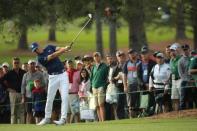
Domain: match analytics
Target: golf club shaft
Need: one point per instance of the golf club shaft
(80, 32)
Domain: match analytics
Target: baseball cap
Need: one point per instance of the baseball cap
(119, 53)
(87, 56)
(173, 47)
(69, 61)
(5, 64)
(144, 50)
(96, 54)
(177, 45)
(160, 55)
(185, 47)
(130, 51)
(31, 61)
(34, 46)
(155, 53)
(77, 58)
(79, 62)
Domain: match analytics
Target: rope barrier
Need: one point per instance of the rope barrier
(121, 93)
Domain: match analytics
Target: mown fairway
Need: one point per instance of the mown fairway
(182, 124)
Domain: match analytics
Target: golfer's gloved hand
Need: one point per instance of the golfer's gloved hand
(67, 48)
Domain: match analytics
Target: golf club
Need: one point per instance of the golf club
(90, 17)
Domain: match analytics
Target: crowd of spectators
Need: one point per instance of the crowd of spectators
(128, 85)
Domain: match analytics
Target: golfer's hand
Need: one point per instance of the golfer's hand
(67, 48)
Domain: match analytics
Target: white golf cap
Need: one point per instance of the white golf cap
(5, 64)
(177, 45)
(118, 53)
(31, 61)
(173, 47)
(160, 55)
(79, 62)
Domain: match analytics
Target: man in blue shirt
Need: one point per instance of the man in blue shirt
(58, 79)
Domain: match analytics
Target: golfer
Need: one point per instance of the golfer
(58, 79)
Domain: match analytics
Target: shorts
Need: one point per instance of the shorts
(28, 105)
(39, 114)
(176, 89)
(73, 103)
(99, 96)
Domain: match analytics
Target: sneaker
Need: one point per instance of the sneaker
(60, 122)
(44, 122)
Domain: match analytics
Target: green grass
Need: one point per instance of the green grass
(183, 124)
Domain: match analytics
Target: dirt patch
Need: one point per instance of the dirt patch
(177, 114)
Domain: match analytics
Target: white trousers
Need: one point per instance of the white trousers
(57, 82)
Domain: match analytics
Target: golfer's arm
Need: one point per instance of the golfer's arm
(59, 51)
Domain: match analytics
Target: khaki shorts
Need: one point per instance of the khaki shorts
(176, 89)
(99, 95)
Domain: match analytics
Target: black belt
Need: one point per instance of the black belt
(160, 84)
(57, 73)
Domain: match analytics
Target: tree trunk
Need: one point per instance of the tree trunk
(52, 28)
(180, 23)
(194, 21)
(99, 38)
(22, 44)
(137, 34)
(112, 37)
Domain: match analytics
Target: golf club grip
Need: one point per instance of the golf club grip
(71, 44)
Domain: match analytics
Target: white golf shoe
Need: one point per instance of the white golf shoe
(44, 122)
(60, 122)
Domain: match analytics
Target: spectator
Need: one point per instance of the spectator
(73, 98)
(193, 73)
(144, 69)
(121, 58)
(98, 79)
(79, 65)
(183, 69)
(13, 80)
(88, 60)
(38, 100)
(27, 86)
(131, 82)
(143, 72)
(167, 53)
(4, 101)
(5, 66)
(84, 89)
(159, 83)
(25, 66)
(40, 68)
(113, 99)
(176, 81)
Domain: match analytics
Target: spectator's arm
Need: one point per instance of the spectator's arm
(180, 68)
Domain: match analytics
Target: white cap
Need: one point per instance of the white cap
(173, 47)
(177, 45)
(5, 64)
(31, 61)
(160, 55)
(119, 53)
(79, 62)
